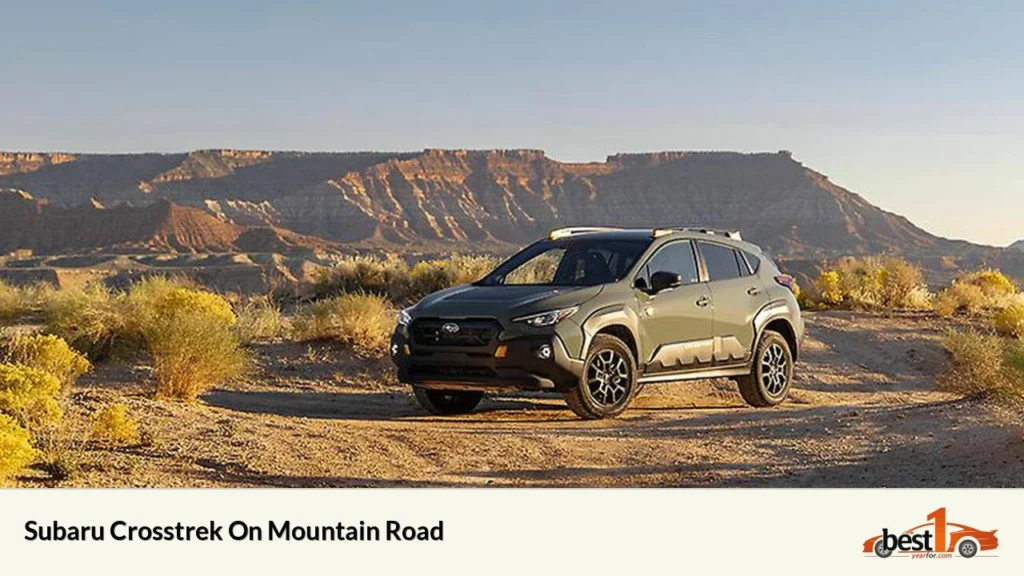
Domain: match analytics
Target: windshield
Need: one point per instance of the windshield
(569, 262)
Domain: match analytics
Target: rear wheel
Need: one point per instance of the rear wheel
(608, 383)
(771, 373)
(448, 402)
(967, 548)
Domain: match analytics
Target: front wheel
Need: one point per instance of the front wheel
(447, 402)
(608, 382)
(771, 372)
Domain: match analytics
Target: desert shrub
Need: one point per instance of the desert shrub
(113, 425)
(870, 282)
(959, 297)
(16, 449)
(387, 276)
(828, 288)
(902, 285)
(50, 354)
(29, 395)
(993, 283)
(978, 291)
(391, 277)
(984, 366)
(362, 321)
(91, 319)
(193, 351)
(13, 302)
(260, 319)
(156, 297)
(1010, 322)
(433, 275)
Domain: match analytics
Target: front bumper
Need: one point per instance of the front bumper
(505, 364)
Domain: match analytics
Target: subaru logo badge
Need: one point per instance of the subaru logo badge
(450, 328)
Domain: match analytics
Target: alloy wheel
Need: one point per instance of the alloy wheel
(774, 374)
(608, 378)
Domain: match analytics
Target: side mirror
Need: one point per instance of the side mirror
(641, 284)
(663, 280)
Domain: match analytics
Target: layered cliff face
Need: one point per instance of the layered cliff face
(460, 199)
(42, 227)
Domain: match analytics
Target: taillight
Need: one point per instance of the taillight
(785, 280)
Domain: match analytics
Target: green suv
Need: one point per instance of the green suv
(596, 313)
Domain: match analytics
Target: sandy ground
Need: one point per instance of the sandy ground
(864, 412)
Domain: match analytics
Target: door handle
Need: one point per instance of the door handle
(754, 291)
(703, 301)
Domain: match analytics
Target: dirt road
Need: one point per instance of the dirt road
(864, 412)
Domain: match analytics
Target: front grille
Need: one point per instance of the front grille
(470, 333)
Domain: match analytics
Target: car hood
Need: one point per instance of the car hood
(502, 301)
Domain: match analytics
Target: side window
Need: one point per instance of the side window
(721, 262)
(675, 257)
(754, 261)
(744, 269)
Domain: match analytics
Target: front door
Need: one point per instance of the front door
(676, 324)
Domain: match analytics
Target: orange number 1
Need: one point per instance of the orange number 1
(940, 528)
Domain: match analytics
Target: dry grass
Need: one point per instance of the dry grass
(92, 319)
(984, 366)
(260, 320)
(51, 354)
(112, 425)
(393, 278)
(362, 321)
(13, 302)
(16, 449)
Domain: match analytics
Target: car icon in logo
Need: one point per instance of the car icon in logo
(450, 328)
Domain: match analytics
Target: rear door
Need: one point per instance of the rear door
(736, 296)
(675, 324)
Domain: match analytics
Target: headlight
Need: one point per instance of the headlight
(404, 317)
(547, 318)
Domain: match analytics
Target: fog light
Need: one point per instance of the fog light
(394, 349)
(544, 352)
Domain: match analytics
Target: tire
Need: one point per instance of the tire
(771, 372)
(608, 383)
(880, 550)
(448, 402)
(967, 548)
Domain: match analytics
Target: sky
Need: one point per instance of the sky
(917, 106)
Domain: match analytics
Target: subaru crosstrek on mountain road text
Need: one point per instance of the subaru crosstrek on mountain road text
(595, 313)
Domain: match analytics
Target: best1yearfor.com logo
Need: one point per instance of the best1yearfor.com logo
(937, 538)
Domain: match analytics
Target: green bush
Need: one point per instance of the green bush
(16, 451)
(30, 396)
(50, 354)
(984, 366)
(362, 321)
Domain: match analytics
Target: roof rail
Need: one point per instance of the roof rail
(730, 234)
(563, 232)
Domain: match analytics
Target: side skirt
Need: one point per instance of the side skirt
(721, 372)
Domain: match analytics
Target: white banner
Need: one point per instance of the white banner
(493, 531)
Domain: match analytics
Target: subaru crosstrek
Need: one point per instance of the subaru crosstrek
(596, 313)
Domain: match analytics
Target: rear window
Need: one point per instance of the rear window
(721, 262)
(753, 261)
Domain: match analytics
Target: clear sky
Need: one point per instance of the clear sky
(918, 106)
